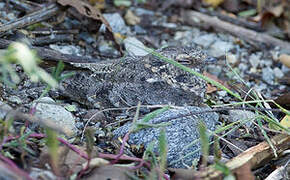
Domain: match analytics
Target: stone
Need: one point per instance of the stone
(48, 110)
(141, 11)
(68, 49)
(135, 47)
(222, 94)
(242, 115)
(268, 75)
(107, 49)
(4, 109)
(231, 58)
(15, 99)
(181, 133)
(116, 22)
(254, 60)
(220, 48)
(205, 40)
(278, 73)
(214, 69)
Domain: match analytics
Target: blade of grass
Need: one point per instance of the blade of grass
(162, 150)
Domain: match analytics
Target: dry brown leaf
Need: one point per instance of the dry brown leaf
(266, 16)
(69, 161)
(244, 172)
(277, 10)
(93, 13)
(108, 172)
(211, 88)
(213, 3)
(283, 100)
(182, 174)
(96, 162)
(285, 59)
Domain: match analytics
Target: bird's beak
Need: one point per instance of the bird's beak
(210, 60)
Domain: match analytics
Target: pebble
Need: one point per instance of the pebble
(5, 108)
(205, 40)
(231, 58)
(180, 133)
(36, 173)
(254, 60)
(220, 48)
(94, 115)
(243, 67)
(214, 69)
(141, 11)
(107, 49)
(10, 16)
(222, 94)
(259, 87)
(285, 69)
(79, 125)
(68, 49)
(2, 5)
(242, 115)
(266, 63)
(278, 73)
(268, 75)
(139, 30)
(48, 110)
(15, 99)
(135, 47)
(116, 22)
(87, 37)
(182, 34)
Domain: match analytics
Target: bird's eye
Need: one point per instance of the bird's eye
(183, 59)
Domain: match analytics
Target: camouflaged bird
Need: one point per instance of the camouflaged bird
(148, 79)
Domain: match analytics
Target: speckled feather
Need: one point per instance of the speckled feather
(147, 79)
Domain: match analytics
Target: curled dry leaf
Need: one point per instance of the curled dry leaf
(211, 88)
(185, 174)
(213, 3)
(131, 18)
(93, 13)
(283, 100)
(285, 59)
(96, 162)
(108, 172)
(285, 121)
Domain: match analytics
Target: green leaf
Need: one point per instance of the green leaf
(162, 149)
(153, 114)
(248, 13)
(52, 144)
(71, 108)
(149, 154)
(223, 168)
(204, 142)
(148, 117)
(89, 134)
(126, 3)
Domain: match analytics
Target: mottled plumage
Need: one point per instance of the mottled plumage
(148, 79)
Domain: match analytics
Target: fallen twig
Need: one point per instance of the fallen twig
(38, 16)
(52, 55)
(252, 157)
(198, 19)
